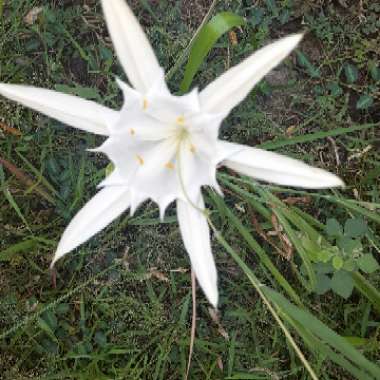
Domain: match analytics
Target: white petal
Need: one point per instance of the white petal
(234, 85)
(276, 168)
(68, 109)
(167, 108)
(196, 237)
(131, 44)
(131, 96)
(100, 211)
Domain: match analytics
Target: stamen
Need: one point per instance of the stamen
(132, 131)
(180, 121)
(169, 166)
(145, 104)
(140, 159)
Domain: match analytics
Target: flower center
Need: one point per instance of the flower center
(181, 131)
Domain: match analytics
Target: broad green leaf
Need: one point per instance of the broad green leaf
(323, 284)
(271, 5)
(355, 228)
(350, 265)
(349, 246)
(205, 40)
(323, 268)
(337, 262)
(310, 68)
(351, 73)
(257, 16)
(325, 255)
(335, 89)
(365, 101)
(367, 263)
(333, 228)
(374, 71)
(342, 283)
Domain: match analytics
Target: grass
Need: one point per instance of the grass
(121, 307)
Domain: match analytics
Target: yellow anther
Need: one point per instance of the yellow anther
(140, 159)
(180, 121)
(192, 148)
(145, 104)
(132, 131)
(169, 165)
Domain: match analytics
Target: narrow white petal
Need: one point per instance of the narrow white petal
(68, 109)
(100, 211)
(196, 237)
(234, 85)
(276, 168)
(132, 46)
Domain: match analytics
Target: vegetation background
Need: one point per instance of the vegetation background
(121, 307)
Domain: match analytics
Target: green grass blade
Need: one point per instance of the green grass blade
(315, 136)
(323, 332)
(254, 245)
(367, 289)
(206, 39)
(282, 214)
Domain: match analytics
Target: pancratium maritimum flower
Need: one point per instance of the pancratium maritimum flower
(166, 147)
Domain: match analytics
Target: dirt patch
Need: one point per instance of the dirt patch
(193, 11)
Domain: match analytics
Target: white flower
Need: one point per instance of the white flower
(166, 147)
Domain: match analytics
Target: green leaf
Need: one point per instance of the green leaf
(337, 262)
(323, 268)
(351, 73)
(271, 5)
(335, 89)
(310, 68)
(325, 255)
(206, 39)
(355, 228)
(323, 284)
(367, 263)
(257, 16)
(342, 283)
(350, 265)
(349, 246)
(100, 338)
(364, 102)
(333, 228)
(374, 71)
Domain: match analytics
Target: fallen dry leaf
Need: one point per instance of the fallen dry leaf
(153, 272)
(10, 130)
(32, 15)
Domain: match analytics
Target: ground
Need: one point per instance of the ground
(120, 307)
